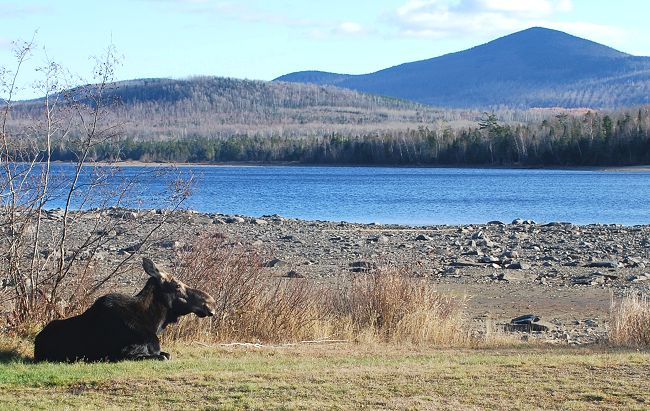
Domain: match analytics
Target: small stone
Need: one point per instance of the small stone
(276, 262)
(294, 274)
(602, 264)
(639, 278)
(465, 263)
(423, 237)
(510, 254)
(234, 220)
(517, 265)
(382, 239)
(361, 266)
(513, 276)
(489, 259)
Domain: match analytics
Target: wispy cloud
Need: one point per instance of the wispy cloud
(249, 13)
(469, 18)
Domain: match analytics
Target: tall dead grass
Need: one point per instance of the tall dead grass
(629, 323)
(389, 305)
(385, 305)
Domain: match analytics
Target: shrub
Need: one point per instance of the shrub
(630, 321)
(390, 305)
(251, 305)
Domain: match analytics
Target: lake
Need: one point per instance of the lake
(415, 196)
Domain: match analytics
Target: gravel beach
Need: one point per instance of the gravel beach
(566, 274)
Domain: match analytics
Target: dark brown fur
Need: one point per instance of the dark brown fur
(121, 327)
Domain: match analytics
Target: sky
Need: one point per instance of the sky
(263, 40)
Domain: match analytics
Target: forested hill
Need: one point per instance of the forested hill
(222, 107)
(536, 67)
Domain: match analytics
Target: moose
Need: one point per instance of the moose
(122, 327)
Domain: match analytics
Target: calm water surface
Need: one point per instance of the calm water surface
(416, 196)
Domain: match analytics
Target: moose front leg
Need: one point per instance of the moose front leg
(144, 351)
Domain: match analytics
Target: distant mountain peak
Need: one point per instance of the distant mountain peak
(535, 67)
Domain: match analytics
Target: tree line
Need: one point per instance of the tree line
(589, 139)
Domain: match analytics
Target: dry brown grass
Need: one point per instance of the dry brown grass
(385, 305)
(630, 321)
(389, 305)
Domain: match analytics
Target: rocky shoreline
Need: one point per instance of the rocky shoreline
(567, 274)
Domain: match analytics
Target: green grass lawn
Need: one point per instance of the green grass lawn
(338, 377)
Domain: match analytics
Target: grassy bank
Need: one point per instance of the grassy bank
(338, 376)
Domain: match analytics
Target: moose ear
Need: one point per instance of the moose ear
(153, 270)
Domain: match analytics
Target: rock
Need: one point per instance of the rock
(423, 237)
(294, 274)
(528, 323)
(510, 254)
(478, 235)
(525, 319)
(234, 220)
(276, 262)
(259, 221)
(56, 214)
(532, 327)
(557, 224)
(361, 266)
(171, 244)
(639, 278)
(517, 265)
(382, 239)
(465, 263)
(602, 264)
(517, 221)
(489, 259)
(495, 222)
(589, 280)
(130, 249)
(487, 243)
(514, 276)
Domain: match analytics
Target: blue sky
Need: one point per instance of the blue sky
(265, 39)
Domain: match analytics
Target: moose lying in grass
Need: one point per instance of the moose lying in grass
(120, 327)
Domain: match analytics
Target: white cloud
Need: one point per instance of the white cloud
(349, 27)
(464, 18)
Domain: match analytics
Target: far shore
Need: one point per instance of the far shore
(636, 168)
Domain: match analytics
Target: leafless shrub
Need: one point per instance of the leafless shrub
(629, 323)
(45, 273)
(251, 305)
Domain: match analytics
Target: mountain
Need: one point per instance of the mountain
(218, 107)
(537, 67)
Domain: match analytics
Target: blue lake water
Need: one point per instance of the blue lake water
(416, 196)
